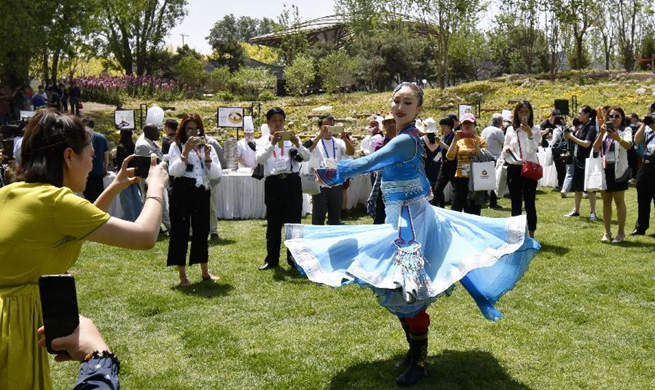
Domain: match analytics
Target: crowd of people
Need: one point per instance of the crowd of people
(59, 96)
(410, 256)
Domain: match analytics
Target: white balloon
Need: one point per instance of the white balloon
(155, 116)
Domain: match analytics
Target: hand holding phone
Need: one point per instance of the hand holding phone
(59, 308)
(467, 134)
(335, 130)
(284, 135)
(609, 127)
(141, 166)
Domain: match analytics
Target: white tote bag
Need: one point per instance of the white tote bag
(484, 176)
(501, 178)
(594, 175)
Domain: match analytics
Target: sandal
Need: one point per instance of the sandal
(211, 277)
(184, 283)
(606, 238)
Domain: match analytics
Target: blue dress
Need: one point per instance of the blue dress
(422, 250)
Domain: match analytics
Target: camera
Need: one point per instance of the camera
(567, 130)
(13, 129)
(293, 153)
(649, 119)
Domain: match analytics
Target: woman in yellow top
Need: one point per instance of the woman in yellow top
(44, 225)
(464, 146)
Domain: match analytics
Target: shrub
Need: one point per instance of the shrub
(266, 96)
(299, 75)
(249, 82)
(219, 80)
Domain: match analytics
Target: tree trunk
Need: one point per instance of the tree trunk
(578, 51)
(45, 68)
(55, 65)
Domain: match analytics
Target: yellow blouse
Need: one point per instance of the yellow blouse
(42, 231)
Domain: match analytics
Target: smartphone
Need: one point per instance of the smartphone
(285, 135)
(468, 134)
(335, 130)
(59, 307)
(609, 127)
(141, 166)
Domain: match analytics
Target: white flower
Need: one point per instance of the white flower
(640, 91)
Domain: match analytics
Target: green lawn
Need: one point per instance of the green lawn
(581, 318)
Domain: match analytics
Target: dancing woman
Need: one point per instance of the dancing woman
(422, 250)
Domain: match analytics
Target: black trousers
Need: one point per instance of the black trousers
(460, 197)
(188, 206)
(560, 167)
(645, 194)
(522, 190)
(283, 198)
(446, 175)
(94, 187)
(328, 201)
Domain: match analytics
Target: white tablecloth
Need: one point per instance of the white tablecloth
(242, 197)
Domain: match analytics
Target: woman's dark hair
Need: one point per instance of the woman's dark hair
(180, 134)
(416, 88)
(48, 134)
(324, 117)
(126, 138)
(589, 111)
(171, 124)
(448, 121)
(516, 121)
(620, 111)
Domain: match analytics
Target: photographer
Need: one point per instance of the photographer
(583, 138)
(328, 150)
(559, 145)
(281, 157)
(645, 138)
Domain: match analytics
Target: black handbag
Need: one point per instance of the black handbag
(258, 172)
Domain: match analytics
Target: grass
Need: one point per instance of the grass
(581, 318)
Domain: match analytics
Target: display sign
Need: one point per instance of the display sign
(230, 117)
(463, 109)
(124, 119)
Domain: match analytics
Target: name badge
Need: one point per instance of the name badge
(437, 157)
(466, 169)
(610, 157)
(281, 164)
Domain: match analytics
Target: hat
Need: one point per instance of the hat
(430, 126)
(388, 117)
(507, 116)
(468, 117)
(248, 127)
(420, 126)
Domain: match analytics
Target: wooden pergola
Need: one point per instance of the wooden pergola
(326, 29)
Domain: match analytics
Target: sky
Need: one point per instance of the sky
(202, 14)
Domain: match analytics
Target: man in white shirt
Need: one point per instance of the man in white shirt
(246, 147)
(281, 156)
(495, 141)
(146, 145)
(329, 150)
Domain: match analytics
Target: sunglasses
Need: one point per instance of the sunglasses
(614, 116)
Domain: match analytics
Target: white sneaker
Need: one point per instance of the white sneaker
(593, 217)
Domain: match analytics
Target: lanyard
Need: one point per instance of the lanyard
(281, 150)
(334, 149)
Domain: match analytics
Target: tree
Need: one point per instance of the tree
(228, 35)
(250, 82)
(337, 71)
(190, 71)
(300, 75)
(294, 41)
(627, 15)
(134, 31)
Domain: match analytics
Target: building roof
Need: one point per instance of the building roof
(326, 29)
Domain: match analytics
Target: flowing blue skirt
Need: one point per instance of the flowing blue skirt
(418, 255)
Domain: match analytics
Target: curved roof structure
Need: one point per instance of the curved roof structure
(326, 29)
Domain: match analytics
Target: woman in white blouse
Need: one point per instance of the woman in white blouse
(613, 143)
(522, 141)
(193, 163)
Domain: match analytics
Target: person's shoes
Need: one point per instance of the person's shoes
(563, 195)
(632, 181)
(496, 207)
(573, 213)
(618, 239)
(593, 217)
(214, 237)
(638, 232)
(557, 188)
(211, 277)
(266, 266)
(606, 238)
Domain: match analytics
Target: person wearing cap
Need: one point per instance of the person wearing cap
(94, 183)
(495, 138)
(329, 151)
(375, 135)
(522, 144)
(464, 146)
(281, 156)
(433, 152)
(246, 147)
(448, 167)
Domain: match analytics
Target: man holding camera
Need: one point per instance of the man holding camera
(281, 158)
(329, 150)
(645, 140)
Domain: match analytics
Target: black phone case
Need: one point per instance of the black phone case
(59, 307)
(141, 166)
